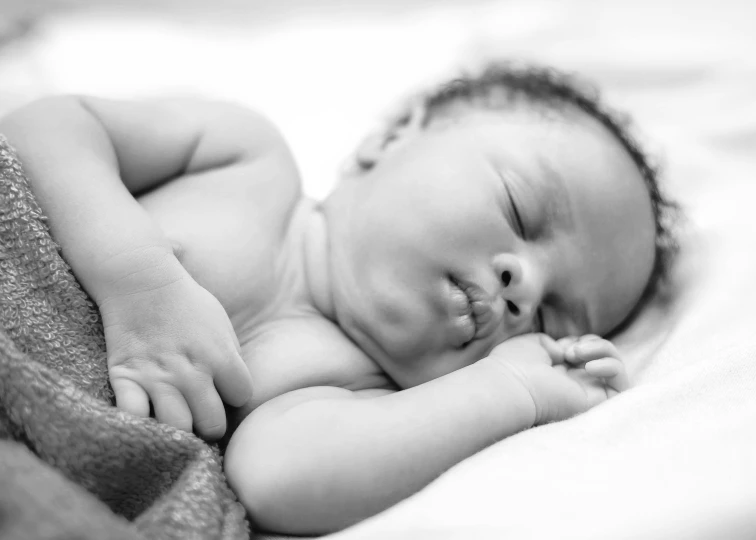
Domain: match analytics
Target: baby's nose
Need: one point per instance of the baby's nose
(509, 269)
(518, 290)
(520, 311)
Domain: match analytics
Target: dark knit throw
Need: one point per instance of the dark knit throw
(71, 464)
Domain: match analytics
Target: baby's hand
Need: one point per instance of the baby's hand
(174, 346)
(563, 377)
(596, 361)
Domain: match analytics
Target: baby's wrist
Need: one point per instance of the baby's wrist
(136, 270)
(509, 392)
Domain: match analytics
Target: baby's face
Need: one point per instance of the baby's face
(465, 236)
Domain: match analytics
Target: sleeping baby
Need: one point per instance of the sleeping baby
(450, 291)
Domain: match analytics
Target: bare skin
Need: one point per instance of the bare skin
(218, 282)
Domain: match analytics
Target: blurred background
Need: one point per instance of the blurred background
(326, 71)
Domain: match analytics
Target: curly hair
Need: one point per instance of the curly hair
(504, 86)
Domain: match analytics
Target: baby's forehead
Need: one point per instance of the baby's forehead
(532, 123)
(551, 133)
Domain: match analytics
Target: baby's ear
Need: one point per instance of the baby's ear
(370, 151)
(375, 146)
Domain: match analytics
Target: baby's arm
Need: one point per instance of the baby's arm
(168, 339)
(320, 459)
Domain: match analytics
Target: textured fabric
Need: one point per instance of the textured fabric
(152, 481)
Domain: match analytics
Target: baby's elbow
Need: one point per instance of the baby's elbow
(43, 112)
(55, 122)
(51, 109)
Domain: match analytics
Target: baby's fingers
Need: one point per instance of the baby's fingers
(171, 408)
(130, 397)
(553, 348)
(233, 381)
(207, 408)
(589, 349)
(611, 370)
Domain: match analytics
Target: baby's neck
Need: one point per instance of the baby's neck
(309, 242)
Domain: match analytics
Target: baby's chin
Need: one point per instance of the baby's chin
(406, 338)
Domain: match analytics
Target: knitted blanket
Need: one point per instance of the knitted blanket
(71, 464)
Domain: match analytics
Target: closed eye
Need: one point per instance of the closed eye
(516, 212)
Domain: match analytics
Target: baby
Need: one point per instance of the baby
(449, 292)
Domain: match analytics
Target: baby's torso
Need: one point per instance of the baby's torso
(229, 227)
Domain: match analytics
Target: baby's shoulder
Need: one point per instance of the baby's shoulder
(270, 167)
(246, 151)
(259, 190)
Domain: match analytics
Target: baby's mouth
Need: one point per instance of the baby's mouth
(471, 311)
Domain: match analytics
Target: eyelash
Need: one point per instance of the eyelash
(518, 219)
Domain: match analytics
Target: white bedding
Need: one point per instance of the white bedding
(674, 457)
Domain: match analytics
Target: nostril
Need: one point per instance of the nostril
(506, 277)
(513, 309)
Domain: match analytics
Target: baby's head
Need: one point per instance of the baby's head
(500, 203)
